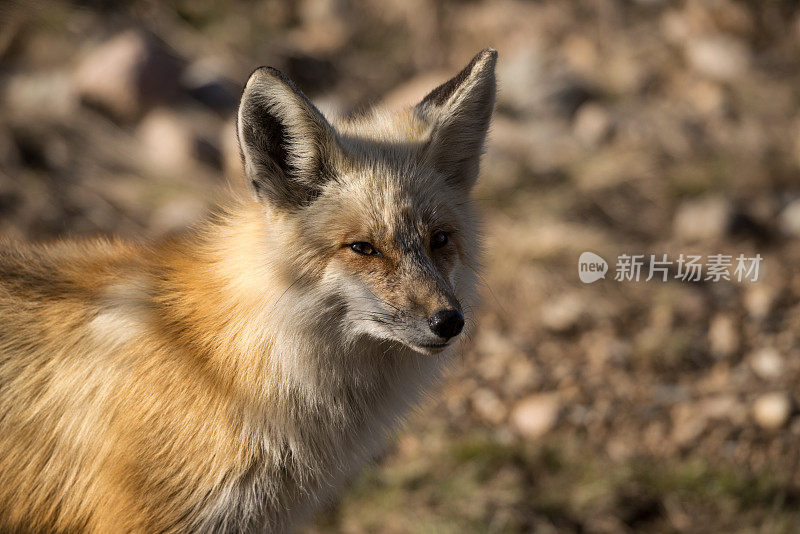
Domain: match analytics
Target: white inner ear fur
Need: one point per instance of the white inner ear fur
(459, 125)
(306, 128)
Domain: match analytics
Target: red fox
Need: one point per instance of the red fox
(234, 378)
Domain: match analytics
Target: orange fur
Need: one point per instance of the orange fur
(233, 378)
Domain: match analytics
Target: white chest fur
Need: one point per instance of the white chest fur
(330, 426)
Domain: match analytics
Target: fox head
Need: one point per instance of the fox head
(375, 211)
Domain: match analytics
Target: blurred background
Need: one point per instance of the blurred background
(622, 127)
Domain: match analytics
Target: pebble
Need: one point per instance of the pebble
(168, 141)
(718, 57)
(127, 74)
(758, 300)
(771, 410)
(723, 336)
(593, 125)
(789, 219)
(563, 314)
(534, 416)
(767, 363)
(702, 219)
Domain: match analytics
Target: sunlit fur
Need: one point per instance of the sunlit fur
(234, 378)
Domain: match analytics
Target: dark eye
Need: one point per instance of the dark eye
(439, 239)
(364, 248)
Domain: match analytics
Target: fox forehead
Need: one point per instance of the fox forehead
(380, 127)
(382, 200)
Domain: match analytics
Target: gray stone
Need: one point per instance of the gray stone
(593, 125)
(534, 416)
(128, 74)
(789, 219)
(767, 363)
(719, 57)
(702, 219)
(772, 410)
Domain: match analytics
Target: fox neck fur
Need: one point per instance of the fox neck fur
(314, 402)
(233, 378)
(243, 384)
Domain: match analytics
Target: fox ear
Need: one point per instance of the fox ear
(459, 111)
(287, 145)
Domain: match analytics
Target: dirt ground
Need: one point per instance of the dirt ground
(623, 127)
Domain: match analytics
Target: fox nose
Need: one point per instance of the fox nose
(446, 323)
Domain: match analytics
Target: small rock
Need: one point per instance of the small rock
(758, 300)
(581, 52)
(593, 125)
(771, 410)
(127, 74)
(167, 140)
(723, 336)
(767, 363)
(488, 406)
(323, 27)
(175, 141)
(702, 219)
(563, 314)
(534, 416)
(789, 219)
(719, 57)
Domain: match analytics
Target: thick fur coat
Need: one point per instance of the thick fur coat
(234, 378)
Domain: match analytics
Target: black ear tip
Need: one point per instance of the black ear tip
(487, 56)
(257, 76)
(266, 72)
(258, 72)
(276, 73)
(269, 76)
(481, 66)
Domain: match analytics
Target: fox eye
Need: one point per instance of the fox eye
(439, 239)
(364, 248)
